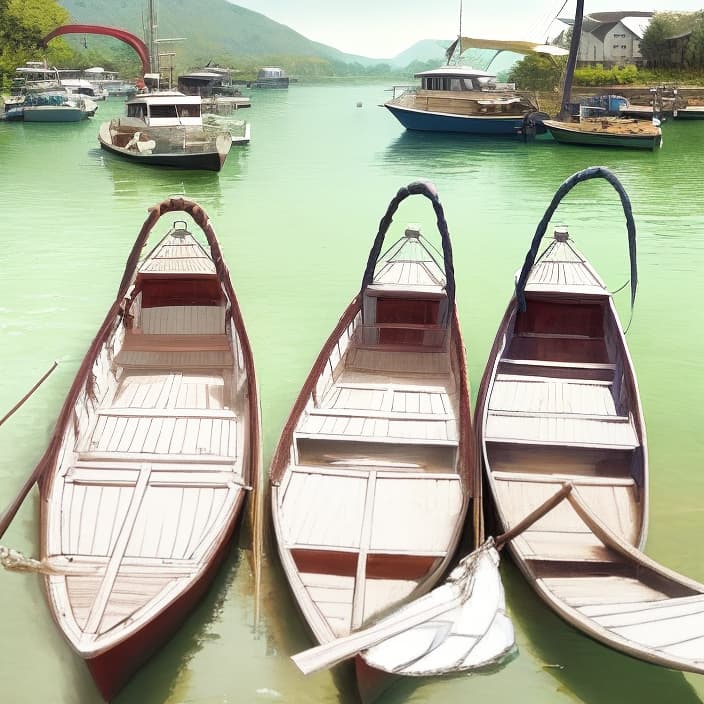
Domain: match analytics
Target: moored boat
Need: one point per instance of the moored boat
(166, 129)
(49, 106)
(456, 98)
(271, 77)
(373, 473)
(607, 132)
(152, 456)
(559, 406)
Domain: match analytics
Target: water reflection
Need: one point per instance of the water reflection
(132, 182)
(445, 151)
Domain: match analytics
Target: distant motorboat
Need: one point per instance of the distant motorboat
(271, 77)
(84, 88)
(166, 129)
(49, 106)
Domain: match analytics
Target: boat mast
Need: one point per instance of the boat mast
(151, 38)
(450, 52)
(572, 60)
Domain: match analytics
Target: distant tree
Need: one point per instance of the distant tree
(654, 46)
(694, 54)
(536, 72)
(564, 39)
(23, 23)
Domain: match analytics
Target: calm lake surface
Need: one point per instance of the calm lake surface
(296, 213)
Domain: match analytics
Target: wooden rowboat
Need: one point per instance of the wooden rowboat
(154, 450)
(607, 132)
(559, 403)
(373, 473)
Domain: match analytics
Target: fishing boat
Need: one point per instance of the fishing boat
(373, 473)
(166, 129)
(559, 407)
(607, 132)
(456, 98)
(153, 454)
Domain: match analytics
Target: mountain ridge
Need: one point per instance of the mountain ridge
(218, 29)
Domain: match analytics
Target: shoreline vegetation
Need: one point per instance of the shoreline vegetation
(22, 26)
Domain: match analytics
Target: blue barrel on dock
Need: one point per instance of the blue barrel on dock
(615, 103)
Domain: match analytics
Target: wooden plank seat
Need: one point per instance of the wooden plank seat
(561, 429)
(175, 351)
(398, 398)
(196, 432)
(566, 370)
(140, 567)
(545, 394)
(182, 320)
(176, 343)
(378, 361)
(112, 474)
(423, 429)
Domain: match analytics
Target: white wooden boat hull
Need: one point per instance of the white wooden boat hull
(152, 457)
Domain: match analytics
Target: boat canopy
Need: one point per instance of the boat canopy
(455, 72)
(517, 46)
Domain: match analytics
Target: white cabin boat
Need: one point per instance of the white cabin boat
(166, 129)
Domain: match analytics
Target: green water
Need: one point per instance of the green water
(296, 213)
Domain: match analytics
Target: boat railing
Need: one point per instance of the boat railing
(398, 91)
(419, 337)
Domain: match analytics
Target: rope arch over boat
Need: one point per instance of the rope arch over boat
(427, 189)
(562, 191)
(114, 316)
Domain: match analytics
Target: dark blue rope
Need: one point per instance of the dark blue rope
(428, 190)
(562, 191)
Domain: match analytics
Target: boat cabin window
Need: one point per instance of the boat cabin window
(188, 110)
(449, 83)
(137, 110)
(162, 111)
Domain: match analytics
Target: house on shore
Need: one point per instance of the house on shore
(612, 38)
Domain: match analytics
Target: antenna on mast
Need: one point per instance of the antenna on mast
(460, 34)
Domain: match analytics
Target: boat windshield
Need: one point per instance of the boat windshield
(174, 111)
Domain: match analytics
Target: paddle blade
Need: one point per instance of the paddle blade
(473, 632)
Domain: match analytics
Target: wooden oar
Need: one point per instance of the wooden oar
(329, 654)
(12, 509)
(547, 505)
(22, 401)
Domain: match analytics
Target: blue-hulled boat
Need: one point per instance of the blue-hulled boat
(461, 99)
(456, 98)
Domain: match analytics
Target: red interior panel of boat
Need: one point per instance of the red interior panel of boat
(562, 318)
(343, 564)
(399, 566)
(192, 291)
(410, 311)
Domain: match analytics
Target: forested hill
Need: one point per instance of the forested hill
(213, 30)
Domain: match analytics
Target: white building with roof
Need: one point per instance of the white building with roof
(612, 38)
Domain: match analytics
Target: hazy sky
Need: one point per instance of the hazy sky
(384, 28)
